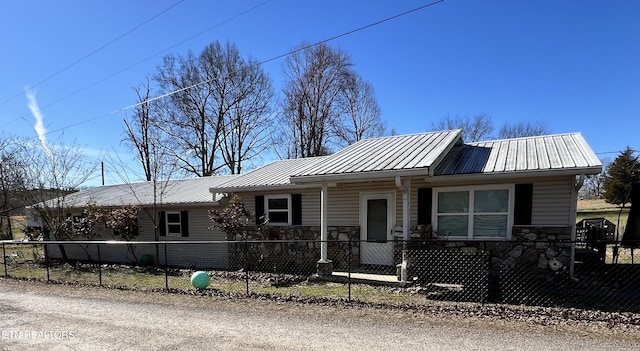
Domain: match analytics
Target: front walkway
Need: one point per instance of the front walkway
(366, 278)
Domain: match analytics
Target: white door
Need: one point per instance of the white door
(376, 223)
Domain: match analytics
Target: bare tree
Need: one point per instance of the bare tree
(361, 116)
(49, 174)
(315, 77)
(186, 115)
(476, 128)
(143, 135)
(211, 92)
(248, 119)
(523, 129)
(9, 183)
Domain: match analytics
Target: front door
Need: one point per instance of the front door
(376, 223)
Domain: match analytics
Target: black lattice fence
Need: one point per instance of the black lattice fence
(460, 275)
(514, 272)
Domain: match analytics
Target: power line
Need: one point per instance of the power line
(387, 19)
(65, 68)
(144, 59)
(612, 152)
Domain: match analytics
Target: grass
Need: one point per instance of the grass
(116, 276)
(601, 209)
(134, 277)
(18, 223)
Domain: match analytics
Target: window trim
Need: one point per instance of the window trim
(471, 211)
(167, 223)
(288, 210)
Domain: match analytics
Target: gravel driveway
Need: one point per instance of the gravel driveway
(37, 316)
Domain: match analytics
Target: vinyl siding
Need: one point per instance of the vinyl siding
(552, 203)
(551, 200)
(344, 202)
(187, 255)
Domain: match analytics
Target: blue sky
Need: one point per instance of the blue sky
(572, 64)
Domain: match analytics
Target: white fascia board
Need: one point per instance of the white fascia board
(244, 189)
(360, 176)
(516, 175)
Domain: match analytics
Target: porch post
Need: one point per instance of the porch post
(406, 223)
(324, 266)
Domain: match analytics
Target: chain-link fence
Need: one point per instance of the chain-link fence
(536, 273)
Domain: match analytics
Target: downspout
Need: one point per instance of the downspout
(572, 219)
(406, 202)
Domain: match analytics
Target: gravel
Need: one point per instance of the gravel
(541, 328)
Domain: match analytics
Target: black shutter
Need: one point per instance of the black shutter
(424, 206)
(163, 224)
(184, 223)
(296, 209)
(523, 204)
(259, 209)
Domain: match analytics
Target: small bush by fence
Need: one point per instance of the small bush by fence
(530, 273)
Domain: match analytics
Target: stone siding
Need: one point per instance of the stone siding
(294, 249)
(539, 252)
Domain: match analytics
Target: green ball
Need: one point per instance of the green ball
(146, 260)
(200, 280)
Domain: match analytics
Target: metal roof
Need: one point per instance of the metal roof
(415, 152)
(561, 152)
(275, 174)
(172, 192)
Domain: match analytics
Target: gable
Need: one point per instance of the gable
(414, 154)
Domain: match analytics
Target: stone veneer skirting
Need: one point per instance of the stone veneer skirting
(295, 249)
(534, 251)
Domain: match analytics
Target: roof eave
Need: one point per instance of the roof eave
(259, 188)
(519, 174)
(360, 176)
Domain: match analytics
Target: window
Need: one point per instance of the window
(174, 224)
(278, 209)
(472, 213)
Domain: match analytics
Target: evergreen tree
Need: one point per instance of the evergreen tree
(621, 173)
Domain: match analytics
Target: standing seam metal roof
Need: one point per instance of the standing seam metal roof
(541, 153)
(172, 192)
(276, 173)
(386, 154)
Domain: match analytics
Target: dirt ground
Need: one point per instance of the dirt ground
(623, 327)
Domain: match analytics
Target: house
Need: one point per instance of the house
(177, 208)
(377, 191)
(517, 197)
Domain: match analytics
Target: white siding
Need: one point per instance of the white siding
(552, 203)
(344, 202)
(310, 207)
(551, 200)
(187, 255)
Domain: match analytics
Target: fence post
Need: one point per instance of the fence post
(247, 265)
(99, 266)
(4, 259)
(166, 267)
(349, 258)
(46, 260)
